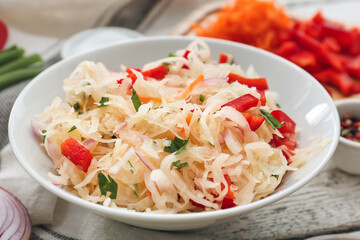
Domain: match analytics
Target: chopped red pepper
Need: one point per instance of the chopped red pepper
(228, 201)
(158, 73)
(186, 54)
(288, 124)
(243, 102)
(259, 83)
(262, 98)
(254, 121)
(223, 58)
(304, 59)
(132, 75)
(287, 48)
(76, 153)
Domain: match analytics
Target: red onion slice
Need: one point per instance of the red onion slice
(116, 168)
(145, 162)
(119, 126)
(17, 223)
(90, 144)
(215, 81)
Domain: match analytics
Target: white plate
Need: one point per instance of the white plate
(301, 96)
(95, 38)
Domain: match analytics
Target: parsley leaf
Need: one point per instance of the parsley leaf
(107, 185)
(76, 106)
(278, 105)
(172, 55)
(177, 145)
(72, 128)
(82, 138)
(103, 101)
(275, 176)
(43, 136)
(202, 98)
(179, 165)
(136, 100)
(131, 167)
(136, 190)
(273, 122)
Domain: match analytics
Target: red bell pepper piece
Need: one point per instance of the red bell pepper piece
(243, 102)
(262, 98)
(132, 75)
(287, 48)
(186, 54)
(353, 67)
(3, 34)
(158, 73)
(259, 83)
(223, 58)
(288, 124)
(304, 59)
(228, 201)
(254, 121)
(76, 153)
(289, 140)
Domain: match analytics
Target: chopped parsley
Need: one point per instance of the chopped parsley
(275, 176)
(211, 144)
(278, 105)
(111, 154)
(107, 185)
(177, 145)
(82, 138)
(43, 136)
(132, 169)
(179, 165)
(135, 100)
(273, 122)
(76, 106)
(166, 65)
(202, 98)
(72, 128)
(113, 137)
(172, 55)
(136, 190)
(103, 101)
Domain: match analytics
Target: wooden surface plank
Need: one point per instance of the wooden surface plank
(329, 203)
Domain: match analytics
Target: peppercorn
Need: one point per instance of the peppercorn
(350, 127)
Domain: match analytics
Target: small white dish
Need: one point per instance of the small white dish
(347, 154)
(301, 96)
(95, 38)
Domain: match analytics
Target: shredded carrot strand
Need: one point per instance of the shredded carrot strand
(189, 88)
(252, 22)
(189, 117)
(148, 99)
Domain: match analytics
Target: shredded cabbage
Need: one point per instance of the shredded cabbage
(129, 145)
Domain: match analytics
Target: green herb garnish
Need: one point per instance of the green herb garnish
(136, 190)
(166, 65)
(82, 138)
(43, 136)
(179, 165)
(132, 167)
(275, 176)
(107, 185)
(177, 145)
(72, 128)
(273, 122)
(135, 100)
(172, 55)
(278, 105)
(113, 137)
(76, 106)
(103, 101)
(202, 98)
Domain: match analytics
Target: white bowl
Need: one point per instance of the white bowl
(301, 96)
(346, 156)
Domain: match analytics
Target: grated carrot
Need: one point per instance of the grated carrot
(189, 117)
(252, 22)
(189, 88)
(148, 99)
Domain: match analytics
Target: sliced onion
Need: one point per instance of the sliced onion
(215, 81)
(221, 139)
(15, 221)
(36, 128)
(162, 181)
(233, 145)
(116, 168)
(119, 126)
(52, 151)
(231, 114)
(90, 144)
(145, 162)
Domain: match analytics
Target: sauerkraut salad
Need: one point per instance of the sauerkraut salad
(182, 134)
